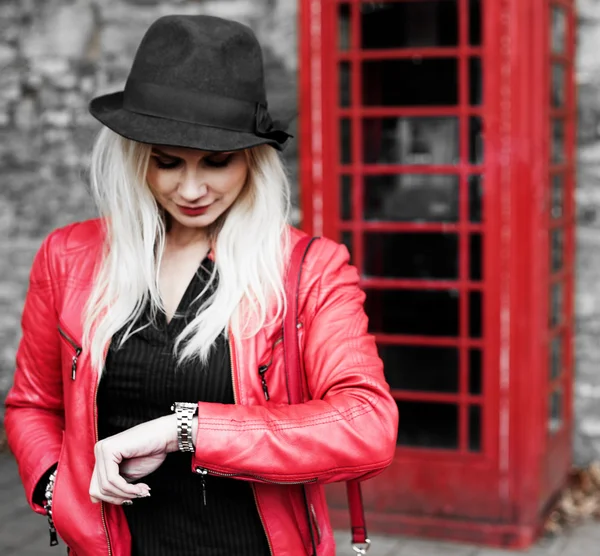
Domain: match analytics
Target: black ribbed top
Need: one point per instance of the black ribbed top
(140, 382)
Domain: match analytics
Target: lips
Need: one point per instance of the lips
(193, 211)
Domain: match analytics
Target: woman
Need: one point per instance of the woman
(149, 412)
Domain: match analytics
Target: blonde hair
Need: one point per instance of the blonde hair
(250, 243)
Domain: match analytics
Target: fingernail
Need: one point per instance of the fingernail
(128, 503)
(143, 494)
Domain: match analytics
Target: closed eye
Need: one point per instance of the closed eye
(218, 160)
(166, 163)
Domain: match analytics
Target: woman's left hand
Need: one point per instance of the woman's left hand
(145, 445)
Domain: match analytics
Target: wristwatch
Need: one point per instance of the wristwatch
(185, 412)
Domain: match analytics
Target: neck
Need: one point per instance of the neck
(181, 237)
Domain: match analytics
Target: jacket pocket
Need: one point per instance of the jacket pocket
(272, 371)
(73, 347)
(319, 513)
(267, 364)
(315, 523)
(303, 514)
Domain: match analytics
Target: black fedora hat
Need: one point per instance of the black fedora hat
(196, 81)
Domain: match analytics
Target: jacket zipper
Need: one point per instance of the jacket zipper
(102, 508)
(235, 399)
(262, 370)
(203, 471)
(77, 349)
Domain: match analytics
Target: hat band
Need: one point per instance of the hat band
(195, 107)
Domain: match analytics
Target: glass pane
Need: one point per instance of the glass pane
(414, 82)
(475, 315)
(558, 30)
(345, 93)
(556, 304)
(475, 198)
(558, 141)
(474, 428)
(428, 425)
(413, 312)
(557, 93)
(555, 411)
(475, 374)
(476, 257)
(410, 140)
(556, 249)
(347, 240)
(475, 140)
(555, 357)
(475, 82)
(346, 197)
(421, 368)
(409, 24)
(345, 141)
(422, 256)
(557, 195)
(344, 27)
(411, 198)
(475, 27)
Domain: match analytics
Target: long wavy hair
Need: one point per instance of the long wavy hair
(250, 242)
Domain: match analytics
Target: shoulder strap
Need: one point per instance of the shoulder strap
(293, 370)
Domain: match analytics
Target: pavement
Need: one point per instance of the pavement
(24, 533)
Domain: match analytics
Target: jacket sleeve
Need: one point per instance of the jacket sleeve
(348, 430)
(34, 417)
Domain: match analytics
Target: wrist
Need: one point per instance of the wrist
(170, 426)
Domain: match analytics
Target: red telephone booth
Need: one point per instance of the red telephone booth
(437, 143)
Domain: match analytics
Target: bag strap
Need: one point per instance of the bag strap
(294, 379)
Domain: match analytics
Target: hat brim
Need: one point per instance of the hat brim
(108, 109)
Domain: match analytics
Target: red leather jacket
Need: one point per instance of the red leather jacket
(347, 431)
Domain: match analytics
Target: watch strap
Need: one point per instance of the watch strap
(185, 413)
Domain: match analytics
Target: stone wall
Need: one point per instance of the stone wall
(587, 385)
(54, 56)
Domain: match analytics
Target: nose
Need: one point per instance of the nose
(192, 186)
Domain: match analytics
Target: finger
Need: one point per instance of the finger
(116, 485)
(96, 495)
(110, 481)
(107, 485)
(116, 500)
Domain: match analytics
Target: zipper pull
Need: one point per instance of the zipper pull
(262, 371)
(203, 473)
(74, 363)
(52, 531)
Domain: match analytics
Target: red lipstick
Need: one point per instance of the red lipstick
(193, 211)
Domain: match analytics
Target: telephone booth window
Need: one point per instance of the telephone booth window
(410, 84)
(560, 220)
(413, 117)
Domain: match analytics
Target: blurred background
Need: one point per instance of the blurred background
(429, 120)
